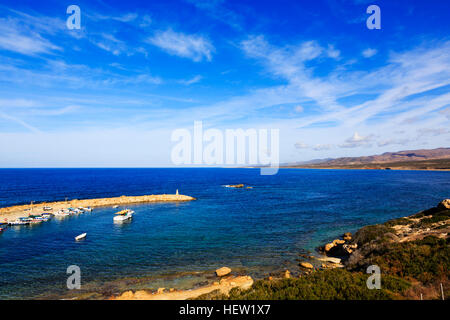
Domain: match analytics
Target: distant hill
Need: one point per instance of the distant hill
(425, 159)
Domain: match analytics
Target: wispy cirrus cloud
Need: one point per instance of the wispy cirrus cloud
(189, 46)
(193, 80)
(322, 147)
(393, 141)
(26, 42)
(218, 10)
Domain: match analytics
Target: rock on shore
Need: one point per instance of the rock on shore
(223, 271)
(224, 287)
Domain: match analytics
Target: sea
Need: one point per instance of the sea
(256, 231)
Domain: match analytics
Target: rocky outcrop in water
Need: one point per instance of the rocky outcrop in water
(444, 204)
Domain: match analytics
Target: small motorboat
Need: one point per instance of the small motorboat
(88, 209)
(123, 215)
(37, 219)
(20, 221)
(115, 207)
(80, 237)
(62, 213)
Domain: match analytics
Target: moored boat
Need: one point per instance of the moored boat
(81, 236)
(62, 213)
(123, 215)
(20, 221)
(35, 219)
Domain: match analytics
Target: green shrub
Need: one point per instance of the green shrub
(369, 233)
(424, 260)
(425, 222)
(398, 221)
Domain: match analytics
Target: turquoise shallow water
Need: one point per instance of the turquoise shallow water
(254, 230)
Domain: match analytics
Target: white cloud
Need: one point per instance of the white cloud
(126, 17)
(19, 121)
(17, 103)
(389, 142)
(193, 80)
(369, 52)
(301, 145)
(333, 53)
(322, 147)
(217, 10)
(432, 131)
(194, 47)
(31, 43)
(357, 141)
(446, 112)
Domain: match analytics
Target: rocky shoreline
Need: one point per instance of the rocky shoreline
(430, 222)
(412, 252)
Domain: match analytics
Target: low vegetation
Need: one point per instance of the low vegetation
(370, 233)
(413, 254)
(335, 284)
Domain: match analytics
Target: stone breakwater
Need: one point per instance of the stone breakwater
(13, 212)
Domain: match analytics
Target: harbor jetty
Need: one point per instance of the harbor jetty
(14, 212)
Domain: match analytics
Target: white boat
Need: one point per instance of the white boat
(115, 207)
(88, 209)
(123, 215)
(18, 222)
(81, 236)
(62, 213)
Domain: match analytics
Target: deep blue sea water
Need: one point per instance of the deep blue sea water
(254, 231)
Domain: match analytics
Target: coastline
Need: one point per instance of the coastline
(358, 168)
(13, 212)
(397, 245)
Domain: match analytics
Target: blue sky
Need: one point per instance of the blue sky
(111, 93)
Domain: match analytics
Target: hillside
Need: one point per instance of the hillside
(423, 159)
